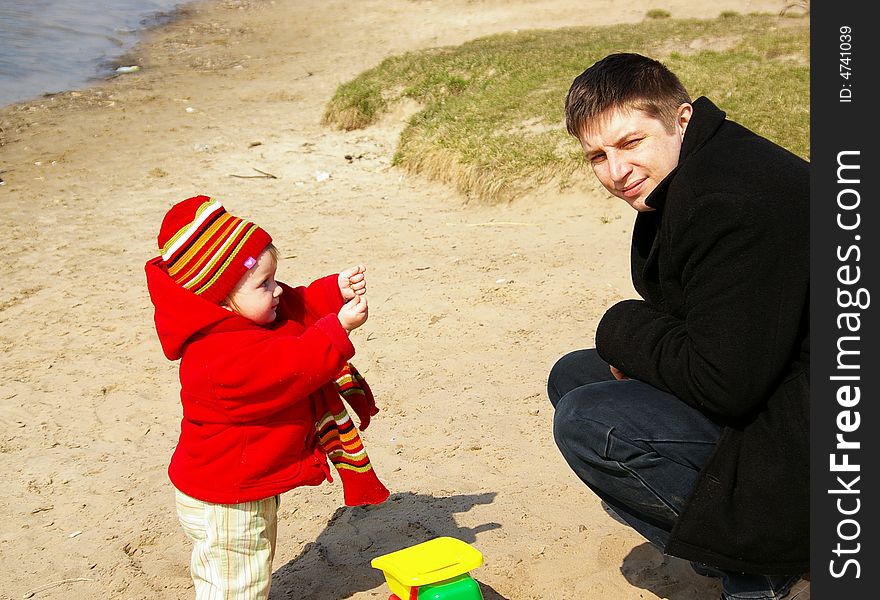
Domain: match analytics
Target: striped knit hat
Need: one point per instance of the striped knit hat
(206, 250)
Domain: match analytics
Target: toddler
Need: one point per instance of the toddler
(263, 371)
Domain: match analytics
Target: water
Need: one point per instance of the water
(48, 46)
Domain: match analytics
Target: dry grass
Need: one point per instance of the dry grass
(491, 120)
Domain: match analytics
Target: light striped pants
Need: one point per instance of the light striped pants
(233, 546)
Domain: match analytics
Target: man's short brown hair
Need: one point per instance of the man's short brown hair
(623, 81)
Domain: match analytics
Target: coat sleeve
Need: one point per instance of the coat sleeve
(322, 296)
(728, 341)
(269, 372)
(307, 304)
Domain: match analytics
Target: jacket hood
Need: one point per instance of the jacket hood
(181, 315)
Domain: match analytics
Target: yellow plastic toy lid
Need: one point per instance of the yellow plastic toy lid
(429, 562)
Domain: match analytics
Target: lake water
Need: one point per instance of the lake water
(49, 46)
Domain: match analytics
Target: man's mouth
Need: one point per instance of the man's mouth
(632, 189)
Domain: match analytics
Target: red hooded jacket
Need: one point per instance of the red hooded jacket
(248, 428)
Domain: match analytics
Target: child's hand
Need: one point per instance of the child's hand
(352, 282)
(353, 313)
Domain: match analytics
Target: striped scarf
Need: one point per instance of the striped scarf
(339, 438)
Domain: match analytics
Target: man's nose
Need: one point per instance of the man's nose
(618, 167)
(277, 291)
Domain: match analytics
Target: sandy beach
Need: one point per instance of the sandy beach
(470, 305)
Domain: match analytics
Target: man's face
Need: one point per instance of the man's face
(631, 152)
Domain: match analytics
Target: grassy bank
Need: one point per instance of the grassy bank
(491, 110)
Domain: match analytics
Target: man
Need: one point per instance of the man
(690, 418)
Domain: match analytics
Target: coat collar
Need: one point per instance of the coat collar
(704, 123)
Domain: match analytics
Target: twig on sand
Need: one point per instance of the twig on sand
(44, 587)
(262, 175)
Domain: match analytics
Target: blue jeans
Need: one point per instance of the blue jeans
(640, 450)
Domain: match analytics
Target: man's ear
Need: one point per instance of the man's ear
(683, 117)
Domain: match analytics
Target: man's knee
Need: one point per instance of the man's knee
(567, 365)
(575, 433)
(570, 371)
(553, 382)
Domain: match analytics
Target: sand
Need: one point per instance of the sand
(470, 306)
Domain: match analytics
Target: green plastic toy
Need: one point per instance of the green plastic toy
(433, 570)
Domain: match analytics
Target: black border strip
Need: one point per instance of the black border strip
(845, 228)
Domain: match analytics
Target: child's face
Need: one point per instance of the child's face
(255, 296)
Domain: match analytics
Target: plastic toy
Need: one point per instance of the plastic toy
(433, 570)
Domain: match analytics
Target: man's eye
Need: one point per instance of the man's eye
(597, 159)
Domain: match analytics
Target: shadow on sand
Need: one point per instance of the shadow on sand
(337, 564)
(666, 576)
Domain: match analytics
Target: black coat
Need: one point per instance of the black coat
(722, 265)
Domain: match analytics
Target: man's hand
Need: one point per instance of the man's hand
(618, 374)
(353, 313)
(352, 282)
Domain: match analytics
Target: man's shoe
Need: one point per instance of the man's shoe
(800, 590)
